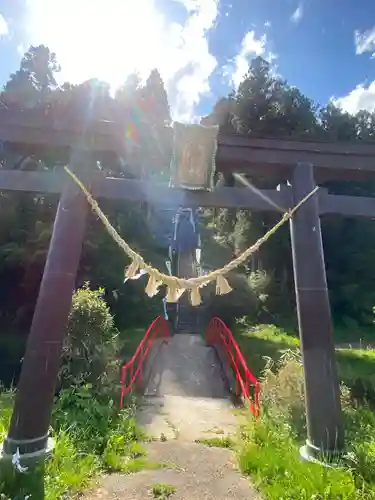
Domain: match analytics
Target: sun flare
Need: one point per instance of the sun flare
(106, 39)
(109, 39)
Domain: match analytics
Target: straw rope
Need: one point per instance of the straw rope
(177, 286)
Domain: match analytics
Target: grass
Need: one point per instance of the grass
(217, 442)
(268, 450)
(262, 342)
(270, 455)
(355, 333)
(356, 367)
(92, 436)
(163, 491)
(130, 340)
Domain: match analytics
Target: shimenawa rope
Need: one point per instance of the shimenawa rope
(177, 286)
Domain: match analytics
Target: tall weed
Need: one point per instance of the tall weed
(269, 448)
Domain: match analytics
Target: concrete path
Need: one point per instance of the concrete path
(196, 471)
(186, 394)
(185, 401)
(185, 366)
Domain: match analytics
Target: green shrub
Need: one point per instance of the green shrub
(91, 346)
(91, 434)
(95, 423)
(86, 416)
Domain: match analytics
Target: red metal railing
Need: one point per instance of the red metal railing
(248, 386)
(133, 370)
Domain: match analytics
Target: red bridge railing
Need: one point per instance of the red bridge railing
(132, 371)
(248, 386)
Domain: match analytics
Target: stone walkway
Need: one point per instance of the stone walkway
(185, 401)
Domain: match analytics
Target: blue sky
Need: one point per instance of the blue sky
(202, 47)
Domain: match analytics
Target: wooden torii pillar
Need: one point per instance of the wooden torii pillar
(28, 431)
(325, 434)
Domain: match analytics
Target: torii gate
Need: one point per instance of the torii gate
(302, 163)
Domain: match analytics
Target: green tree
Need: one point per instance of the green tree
(156, 101)
(35, 77)
(265, 105)
(337, 125)
(27, 219)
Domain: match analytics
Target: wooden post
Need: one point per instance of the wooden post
(31, 416)
(322, 393)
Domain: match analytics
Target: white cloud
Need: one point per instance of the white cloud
(3, 26)
(362, 97)
(297, 14)
(365, 42)
(108, 39)
(251, 47)
(21, 49)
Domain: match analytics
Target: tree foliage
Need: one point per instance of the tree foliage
(265, 105)
(26, 220)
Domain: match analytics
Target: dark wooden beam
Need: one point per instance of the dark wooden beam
(350, 206)
(269, 157)
(278, 163)
(37, 129)
(334, 204)
(135, 190)
(37, 182)
(346, 148)
(223, 197)
(261, 157)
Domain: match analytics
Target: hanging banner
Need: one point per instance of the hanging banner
(193, 160)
